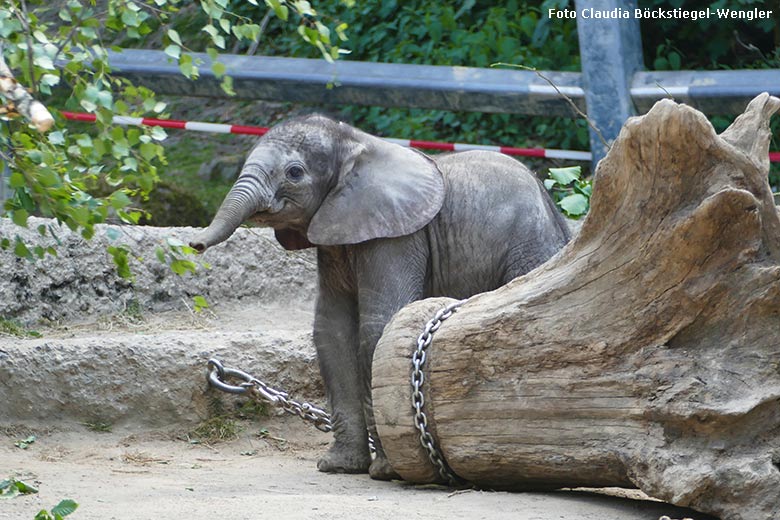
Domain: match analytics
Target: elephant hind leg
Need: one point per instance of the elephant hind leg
(380, 468)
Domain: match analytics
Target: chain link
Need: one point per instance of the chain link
(418, 399)
(218, 375)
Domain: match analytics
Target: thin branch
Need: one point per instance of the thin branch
(24, 19)
(564, 96)
(263, 25)
(668, 94)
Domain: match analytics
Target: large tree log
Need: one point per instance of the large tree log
(645, 354)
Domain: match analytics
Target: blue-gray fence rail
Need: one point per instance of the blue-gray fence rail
(441, 87)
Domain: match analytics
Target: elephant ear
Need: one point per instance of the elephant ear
(384, 190)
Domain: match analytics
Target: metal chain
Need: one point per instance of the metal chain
(218, 375)
(418, 400)
(261, 391)
(258, 389)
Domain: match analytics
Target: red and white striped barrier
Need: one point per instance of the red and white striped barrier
(548, 153)
(257, 130)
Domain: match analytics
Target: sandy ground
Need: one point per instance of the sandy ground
(127, 474)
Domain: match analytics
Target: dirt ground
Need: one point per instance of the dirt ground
(268, 472)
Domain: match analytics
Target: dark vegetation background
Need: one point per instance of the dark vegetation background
(468, 33)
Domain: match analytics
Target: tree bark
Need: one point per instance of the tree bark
(645, 354)
(21, 101)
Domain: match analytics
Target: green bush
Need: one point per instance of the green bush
(466, 33)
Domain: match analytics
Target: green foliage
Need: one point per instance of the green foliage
(216, 429)
(11, 487)
(12, 328)
(467, 33)
(710, 43)
(98, 426)
(58, 512)
(230, 24)
(84, 178)
(54, 174)
(24, 444)
(177, 255)
(570, 190)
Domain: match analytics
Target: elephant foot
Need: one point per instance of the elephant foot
(381, 469)
(339, 459)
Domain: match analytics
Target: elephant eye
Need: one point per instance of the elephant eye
(295, 172)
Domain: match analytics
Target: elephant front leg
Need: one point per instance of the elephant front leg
(336, 340)
(391, 274)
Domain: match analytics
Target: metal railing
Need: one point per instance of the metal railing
(607, 101)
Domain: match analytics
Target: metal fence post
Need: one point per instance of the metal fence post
(611, 52)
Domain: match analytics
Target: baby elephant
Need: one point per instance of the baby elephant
(391, 226)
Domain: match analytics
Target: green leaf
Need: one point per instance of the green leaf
(10, 488)
(56, 138)
(148, 150)
(174, 51)
(304, 8)
(180, 267)
(574, 205)
(159, 134)
(17, 180)
(20, 217)
(550, 183)
(105, 99)
(187, 67)
(50, 79)
(88, 105)
(174, 36)
(280, 10)
(340, 31)
(25, 488)
(21, 251)
(200, 303)
(113, 233)
(324, 32)
(227, 86)
(44, 62)
(674, 60)
(64, 508)
(218, 69)
(565, 176)
(130, 18)
(120, 256)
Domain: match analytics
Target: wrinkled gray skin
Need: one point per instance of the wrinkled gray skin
(391, 226)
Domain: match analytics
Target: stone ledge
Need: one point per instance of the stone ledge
(153, 379)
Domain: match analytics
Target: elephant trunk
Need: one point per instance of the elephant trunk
(247, 197)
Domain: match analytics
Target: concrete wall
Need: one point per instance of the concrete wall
(81, 282)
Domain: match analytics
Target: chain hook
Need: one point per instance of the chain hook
(218, 374)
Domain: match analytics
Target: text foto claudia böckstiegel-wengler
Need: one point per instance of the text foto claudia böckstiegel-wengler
(661, 14)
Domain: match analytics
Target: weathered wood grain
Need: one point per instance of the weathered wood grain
(646, 353)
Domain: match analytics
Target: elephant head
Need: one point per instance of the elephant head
(320, 182)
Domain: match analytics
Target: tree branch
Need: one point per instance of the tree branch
(21, 100)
